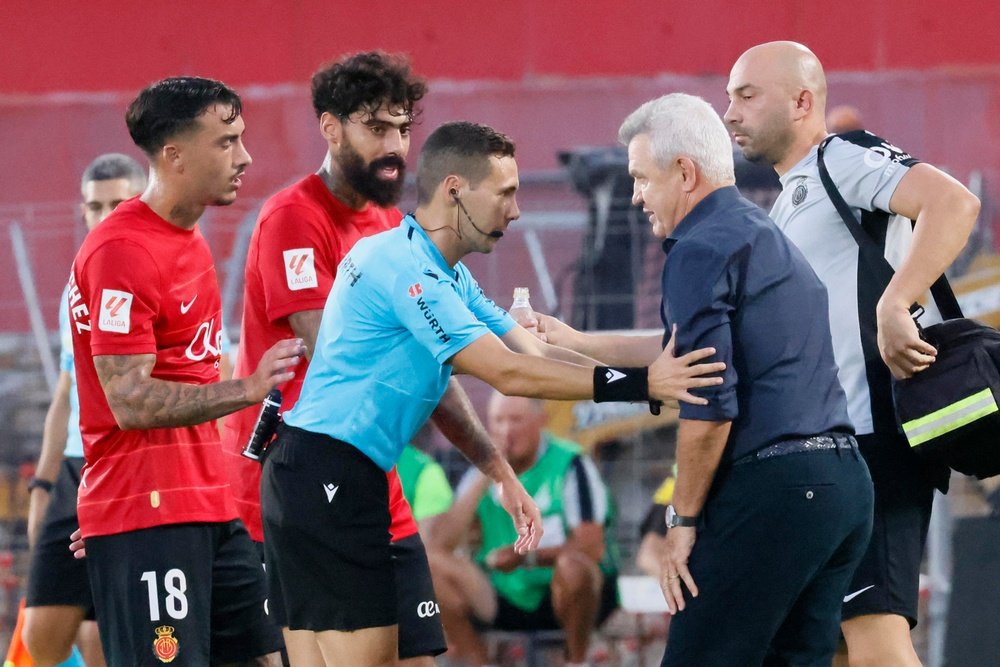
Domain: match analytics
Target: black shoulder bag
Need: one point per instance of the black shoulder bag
(948, 412)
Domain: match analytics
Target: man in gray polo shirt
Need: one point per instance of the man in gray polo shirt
(777, 95)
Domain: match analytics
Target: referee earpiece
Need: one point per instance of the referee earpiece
(454, 194)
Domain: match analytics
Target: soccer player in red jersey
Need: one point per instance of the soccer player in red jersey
(365, 104)
(174, 573)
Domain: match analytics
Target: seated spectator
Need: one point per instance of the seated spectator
(653, 530)
(425, 485)
(569, 583)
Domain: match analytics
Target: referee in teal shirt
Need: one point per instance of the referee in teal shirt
(404, 311)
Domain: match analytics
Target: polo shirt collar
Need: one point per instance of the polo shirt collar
(715, 201)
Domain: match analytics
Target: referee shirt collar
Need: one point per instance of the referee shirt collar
(715, 201)
(416, 234)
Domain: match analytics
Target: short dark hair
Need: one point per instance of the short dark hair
(364, 82)
(112, 166)
(458, 148)
(172, 106)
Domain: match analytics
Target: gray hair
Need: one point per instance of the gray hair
(112, 166)
(680, 124)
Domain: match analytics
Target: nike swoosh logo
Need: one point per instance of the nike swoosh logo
(185, 307)
(613, 376)
(848, 598)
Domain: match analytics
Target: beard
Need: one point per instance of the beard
(364, 177)
(770, 142)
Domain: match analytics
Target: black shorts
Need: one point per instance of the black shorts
(55, 577)
(325, 508)
(511, 617)
(420, 631)
(189, 594)
(887, 580)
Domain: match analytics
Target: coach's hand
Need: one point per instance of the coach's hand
(674, 558)
(523, 510)
(556, 332)
(277, 366)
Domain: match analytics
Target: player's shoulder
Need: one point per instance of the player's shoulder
(300, 196)
(123, 232)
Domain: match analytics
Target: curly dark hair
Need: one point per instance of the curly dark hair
(364, 82)
(171, 106)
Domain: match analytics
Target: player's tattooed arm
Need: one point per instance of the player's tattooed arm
(139, 401)
(457, 419)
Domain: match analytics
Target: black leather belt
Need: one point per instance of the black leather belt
(816, 443)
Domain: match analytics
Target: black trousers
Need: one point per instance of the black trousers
(777, 546)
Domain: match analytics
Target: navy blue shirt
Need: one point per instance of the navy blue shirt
(733, 281)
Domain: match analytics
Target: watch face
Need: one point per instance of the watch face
(670, 516)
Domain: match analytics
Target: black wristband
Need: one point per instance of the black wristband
(620, 384)
(38, 483)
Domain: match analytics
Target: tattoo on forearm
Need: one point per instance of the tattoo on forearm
(459, 423)
(140, 401)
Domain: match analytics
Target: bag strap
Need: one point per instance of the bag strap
(941, 290)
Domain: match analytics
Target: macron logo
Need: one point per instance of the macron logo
(613, 376)
(331, 491)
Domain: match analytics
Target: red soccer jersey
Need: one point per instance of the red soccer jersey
(141, 285)
(302, 234)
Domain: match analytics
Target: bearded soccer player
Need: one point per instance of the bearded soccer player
(174, 573)
(365, 104)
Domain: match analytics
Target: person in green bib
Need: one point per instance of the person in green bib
(569, 583)
(425, 485)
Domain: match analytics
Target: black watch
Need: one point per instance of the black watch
(39, 483)
(675, 520)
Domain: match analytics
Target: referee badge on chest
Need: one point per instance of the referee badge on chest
(165, 646)
(800, 192)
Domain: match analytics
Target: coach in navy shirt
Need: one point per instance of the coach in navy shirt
(772, 507)
(732, 281)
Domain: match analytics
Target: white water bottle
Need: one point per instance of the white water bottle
(521, 309)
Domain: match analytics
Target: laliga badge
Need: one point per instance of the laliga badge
(165, 646)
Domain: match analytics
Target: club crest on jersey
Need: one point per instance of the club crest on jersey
(165, 646)
(116, 311)
(800, 192)
(415, 290)
(300, 268)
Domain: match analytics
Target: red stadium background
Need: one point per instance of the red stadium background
(554, 75)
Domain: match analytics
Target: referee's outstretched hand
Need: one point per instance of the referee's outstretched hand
(524, 512)
(671, 378)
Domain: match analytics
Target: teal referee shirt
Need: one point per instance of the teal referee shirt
(397, 313)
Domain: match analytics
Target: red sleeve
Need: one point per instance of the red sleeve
(297, 260)
(124, 292)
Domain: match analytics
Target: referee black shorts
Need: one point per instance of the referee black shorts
(55, 577)
(887, 580)
(325, 508)
(420, 631)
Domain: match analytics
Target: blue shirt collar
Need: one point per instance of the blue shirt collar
(417, 233)
(721, 198)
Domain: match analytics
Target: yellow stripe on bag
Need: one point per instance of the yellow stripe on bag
(950, 417)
